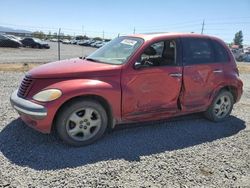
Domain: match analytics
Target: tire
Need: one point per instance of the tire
(221, 107)
(81, 122)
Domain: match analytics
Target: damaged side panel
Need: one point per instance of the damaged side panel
(151, 92)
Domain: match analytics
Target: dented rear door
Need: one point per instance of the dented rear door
(201, 73)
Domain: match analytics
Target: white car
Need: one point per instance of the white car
(66, 41)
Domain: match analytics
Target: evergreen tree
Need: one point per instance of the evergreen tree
(238, 39)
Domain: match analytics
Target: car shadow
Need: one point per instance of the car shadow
(25, 147)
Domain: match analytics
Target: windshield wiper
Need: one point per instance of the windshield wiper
(91, 59)
(94, 60)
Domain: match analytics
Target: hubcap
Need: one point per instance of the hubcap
(222, 106)
(83, 124)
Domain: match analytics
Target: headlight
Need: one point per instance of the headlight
(47, 95)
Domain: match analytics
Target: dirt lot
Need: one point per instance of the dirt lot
(184, 152)
(30, 55)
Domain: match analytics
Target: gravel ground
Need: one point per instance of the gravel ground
(30, 55)
(183, 152)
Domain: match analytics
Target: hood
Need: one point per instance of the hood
(73, 68)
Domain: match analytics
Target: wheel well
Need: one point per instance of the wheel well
(232, 90)
(97, 98)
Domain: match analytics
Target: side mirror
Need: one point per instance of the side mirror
(137, 65)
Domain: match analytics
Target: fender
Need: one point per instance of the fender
(229, 84)
(107, 87)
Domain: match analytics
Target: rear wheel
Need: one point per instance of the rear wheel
(221, 107)
(81, 122)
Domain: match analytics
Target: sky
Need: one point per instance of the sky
(222, 18)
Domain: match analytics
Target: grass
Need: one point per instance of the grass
(17, 67)
(243, 67)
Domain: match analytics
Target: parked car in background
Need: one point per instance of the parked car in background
(53, 40)
(101, 44)
(81, 42)
(14, 37)
(34, 43)
(94, 44)
(246, 57)
(66, 41)
(134, 78)
(6, 41)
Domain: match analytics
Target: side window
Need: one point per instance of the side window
(197, 51)
(153, 52)
(221, 54)
(161, 53)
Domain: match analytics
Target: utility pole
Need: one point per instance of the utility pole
(82, 36)
(134, 30)
(118, 35)
(203, 24)
(58, 38)
(103, 35)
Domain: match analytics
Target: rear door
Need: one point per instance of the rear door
(201, 73)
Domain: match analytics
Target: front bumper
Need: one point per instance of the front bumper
(27, 107)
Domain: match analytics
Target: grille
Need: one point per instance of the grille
(24, 87)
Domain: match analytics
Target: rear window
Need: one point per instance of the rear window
(197, 51)
(221, 54)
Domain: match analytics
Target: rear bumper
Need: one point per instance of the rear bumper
(27, 107)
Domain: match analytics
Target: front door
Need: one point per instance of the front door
(152, 91)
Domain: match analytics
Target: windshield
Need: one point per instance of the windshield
(116, 51)
(37, 40)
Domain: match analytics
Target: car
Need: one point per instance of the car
(66, 41)
(6, 41)
(34, 43)
(14, 37)
(53, 40)
(134, 78)
(246, 57)
(89, 42)
(101, 44)
(94, 44)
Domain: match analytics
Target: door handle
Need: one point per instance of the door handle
(218, 71)
(175, 74)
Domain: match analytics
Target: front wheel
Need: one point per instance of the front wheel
(81, 122)
(221, 107)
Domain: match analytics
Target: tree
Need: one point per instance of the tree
(98, 38)
(39, 34)
(54, 35)
(49, 36)
(238, 39)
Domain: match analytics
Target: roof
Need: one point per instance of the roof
(149, 36)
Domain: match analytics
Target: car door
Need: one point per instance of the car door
(152, 91)
(201, 73)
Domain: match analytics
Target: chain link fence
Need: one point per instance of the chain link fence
(38, 47)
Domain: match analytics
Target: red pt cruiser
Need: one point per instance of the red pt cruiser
(131, 79)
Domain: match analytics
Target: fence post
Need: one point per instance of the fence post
(58, 38)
